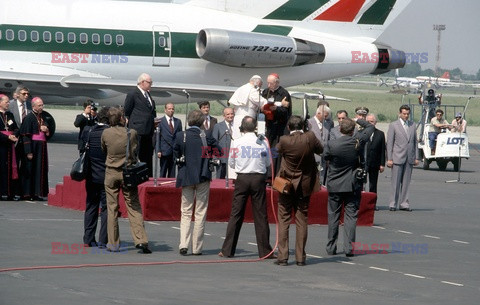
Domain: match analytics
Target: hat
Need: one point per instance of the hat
(458, 115)
(361, 110)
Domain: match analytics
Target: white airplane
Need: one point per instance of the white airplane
(202, 49)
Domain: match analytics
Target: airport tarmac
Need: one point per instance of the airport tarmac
(431, 254)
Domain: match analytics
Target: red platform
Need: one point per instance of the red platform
(163, 202)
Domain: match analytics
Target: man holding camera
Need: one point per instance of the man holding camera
(194, 178)
(344, 183)
(250, 159)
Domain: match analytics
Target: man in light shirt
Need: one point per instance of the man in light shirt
(250, 159)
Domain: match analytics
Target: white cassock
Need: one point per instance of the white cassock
(245, 101)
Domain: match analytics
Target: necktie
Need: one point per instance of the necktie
(405, 126)
(230, 128)
(206, 124)
(171, 125)
(24, 113)
(146, 96)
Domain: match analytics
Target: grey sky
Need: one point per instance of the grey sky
(413, 32)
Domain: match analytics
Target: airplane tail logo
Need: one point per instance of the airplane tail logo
(363, 13)
(446, 75)
(359, 11)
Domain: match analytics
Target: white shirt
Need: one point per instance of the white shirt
(246, 101)
(168, 121)
(147, 96)
(246, 156)
(19, 105)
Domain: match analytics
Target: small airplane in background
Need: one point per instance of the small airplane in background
(194, 50)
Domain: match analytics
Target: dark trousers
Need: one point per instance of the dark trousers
(95, 199)
(300, 207)
(248, 185)
(145, 151)
(350, 201)
(222, 171)
(372, 179)
(167, 167)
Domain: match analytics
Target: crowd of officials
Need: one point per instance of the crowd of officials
(309, 152)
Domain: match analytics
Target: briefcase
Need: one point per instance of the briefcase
(135, 174)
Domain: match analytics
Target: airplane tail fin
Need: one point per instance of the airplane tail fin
(446, 75)
(354, 18)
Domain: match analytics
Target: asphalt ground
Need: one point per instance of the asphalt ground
(430, 257)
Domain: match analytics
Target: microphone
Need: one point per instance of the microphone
(186, 93)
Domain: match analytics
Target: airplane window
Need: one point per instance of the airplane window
(95, 38)
(10, 35)
(34, 36)
(0, 34)
(162, 42)
(71, 37)
(119, 39)
(22, 35)
(83, 38)
(107, 39)
(47, 36)
(59, 37)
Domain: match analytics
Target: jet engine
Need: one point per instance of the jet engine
(389, 59)
(256, 50)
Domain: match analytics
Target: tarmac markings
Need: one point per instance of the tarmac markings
(452, 283)
(461, 242)
(378, 268)
(430, 236)
(405, 232)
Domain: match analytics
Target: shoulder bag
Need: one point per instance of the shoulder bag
(134, 174)
(80, 166)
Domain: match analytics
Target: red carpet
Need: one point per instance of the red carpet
(163, 202)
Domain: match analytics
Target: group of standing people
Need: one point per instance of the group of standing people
(25, 129)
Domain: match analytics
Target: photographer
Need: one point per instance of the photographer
(194, 176)
(250, 160)
(431, 102)
(344, 184)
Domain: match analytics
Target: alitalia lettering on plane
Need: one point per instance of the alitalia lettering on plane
(74, 49)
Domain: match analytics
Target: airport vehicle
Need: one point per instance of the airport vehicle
(450, 146)
(200, 49)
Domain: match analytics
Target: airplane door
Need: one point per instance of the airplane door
(161, 45)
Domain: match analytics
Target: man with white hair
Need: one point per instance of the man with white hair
(246, 101)
(140, 112)
(317, 126)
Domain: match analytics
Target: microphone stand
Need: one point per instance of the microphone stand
(458, 180)
(155, 165)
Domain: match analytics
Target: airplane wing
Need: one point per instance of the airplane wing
(319, 95)
(98, 86)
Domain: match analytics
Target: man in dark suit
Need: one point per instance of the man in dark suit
(209, 121)
(84, 119)
(375, 154)
(94, 182)
(222, 132)
(298, 165)
(344, 154)
(167, 130)
(194, 178)
(140, 112)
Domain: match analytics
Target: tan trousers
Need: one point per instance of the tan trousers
(286, 204)
(200, 193)
(113, 183)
